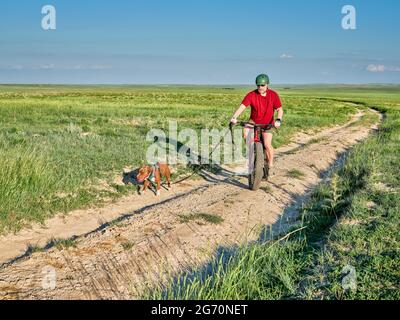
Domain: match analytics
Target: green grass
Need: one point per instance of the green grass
(32, 248)
(59, 144)
(266, 188)
(127, 245)
(351, 220)
(210, 218)
(61, 244)
(318, 140)
(295, 174)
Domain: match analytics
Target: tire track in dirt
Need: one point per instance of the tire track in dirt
(119, 261)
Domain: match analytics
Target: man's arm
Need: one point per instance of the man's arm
(238, 113)
(280, 116)
(280, 113)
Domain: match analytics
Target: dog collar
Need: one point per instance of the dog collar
(151, 176)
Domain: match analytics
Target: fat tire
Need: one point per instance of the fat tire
(256, 176)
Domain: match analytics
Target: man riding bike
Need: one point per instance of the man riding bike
(263, 102)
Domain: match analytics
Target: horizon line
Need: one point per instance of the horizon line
(200, 85)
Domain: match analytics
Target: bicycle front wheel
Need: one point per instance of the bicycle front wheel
(256, 176)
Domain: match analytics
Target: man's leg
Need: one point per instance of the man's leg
(245, 133)
(247, 129)
(269, 154)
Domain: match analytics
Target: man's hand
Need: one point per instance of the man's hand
(278, 123)
(238, 112)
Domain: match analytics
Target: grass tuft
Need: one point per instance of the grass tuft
(295, 174)
(210, 218)
(62, 244)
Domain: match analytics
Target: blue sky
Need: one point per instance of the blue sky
(199, 42)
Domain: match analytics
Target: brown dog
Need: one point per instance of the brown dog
(154, 173)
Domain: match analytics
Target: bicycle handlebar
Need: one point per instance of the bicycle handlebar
(245, 123)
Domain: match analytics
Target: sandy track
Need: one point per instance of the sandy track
(115, 262)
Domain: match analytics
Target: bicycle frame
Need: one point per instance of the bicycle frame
(258, 128)
(257, 162)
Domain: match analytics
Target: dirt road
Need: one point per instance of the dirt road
(167, 234)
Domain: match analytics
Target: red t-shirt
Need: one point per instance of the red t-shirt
(262, 108)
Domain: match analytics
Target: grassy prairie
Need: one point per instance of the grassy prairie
(58, 144)
(349, 229)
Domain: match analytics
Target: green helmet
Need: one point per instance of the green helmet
(262, 79)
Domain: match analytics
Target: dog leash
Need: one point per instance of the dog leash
(209, 155)
(200, 164)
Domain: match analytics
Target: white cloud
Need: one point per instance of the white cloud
(382, 68)
(47, 66)
(286, 56)
(81, 67)
(376, 68)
